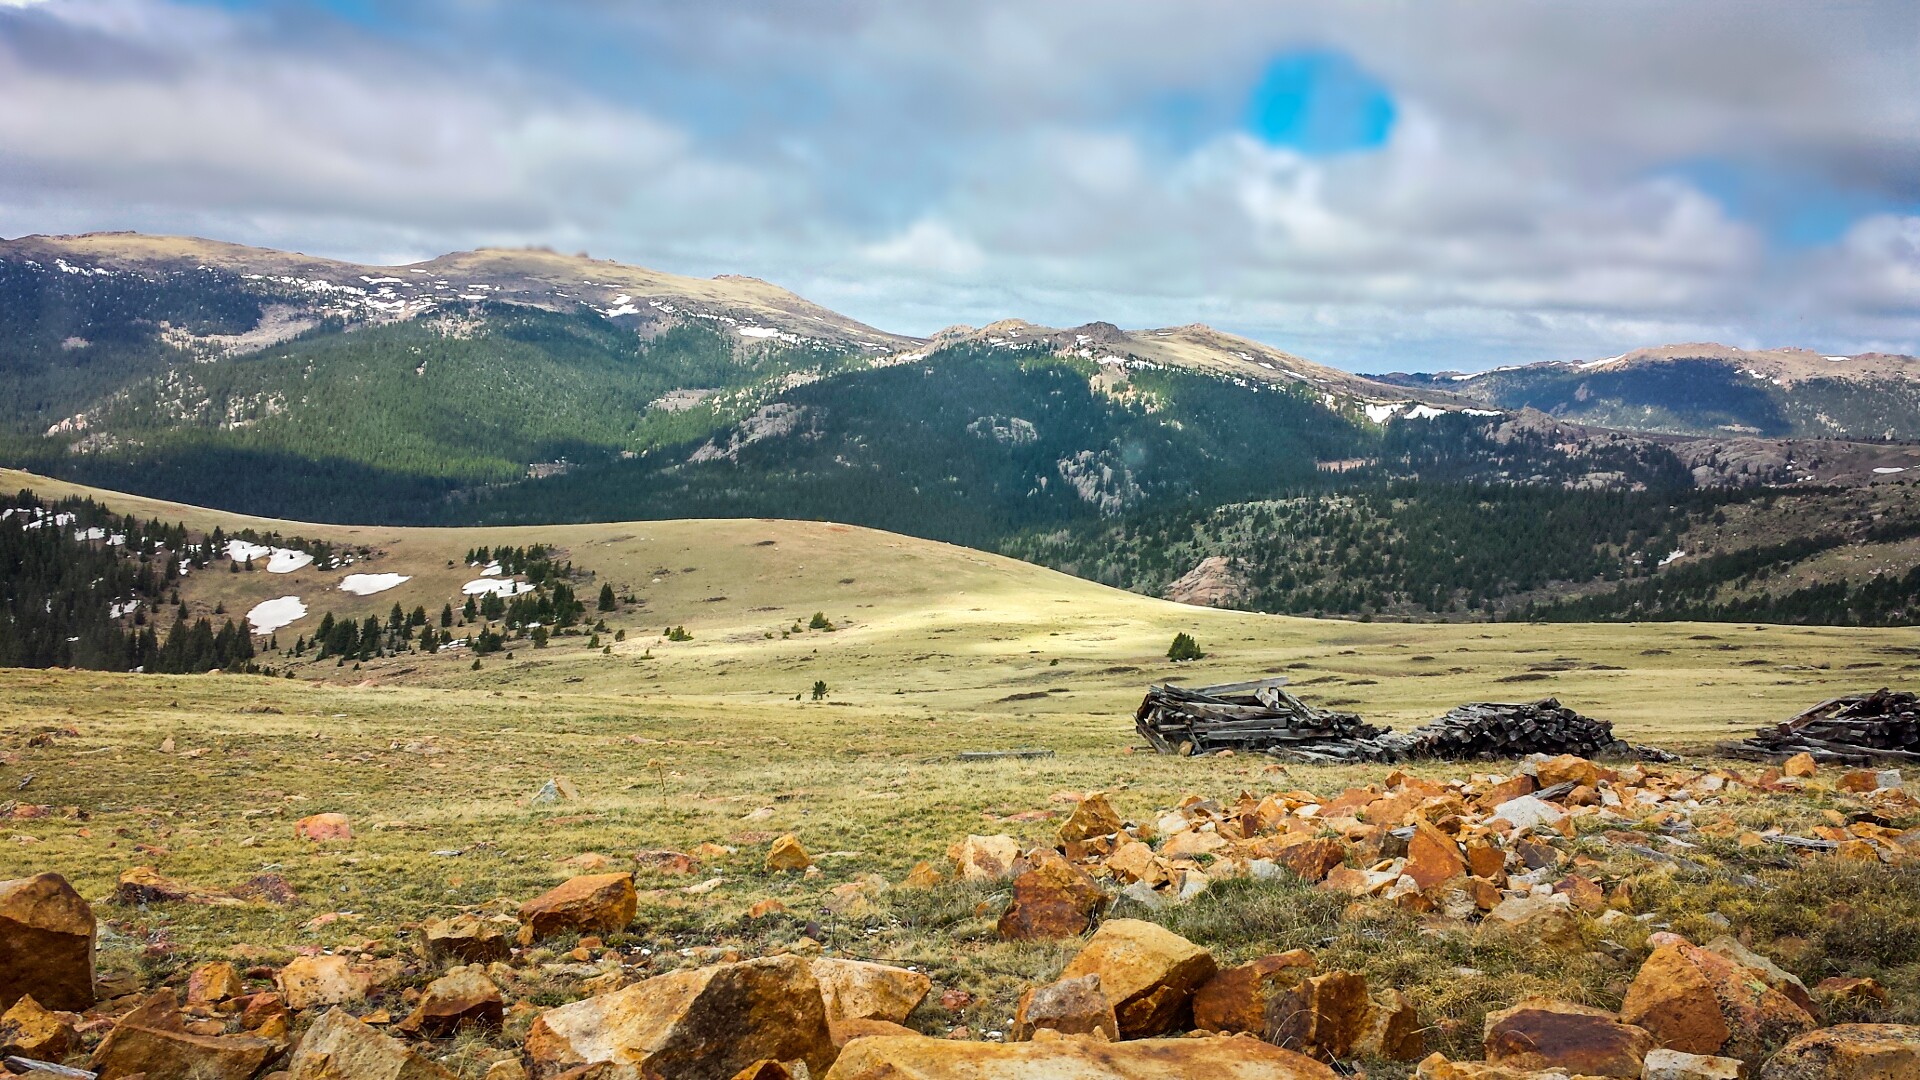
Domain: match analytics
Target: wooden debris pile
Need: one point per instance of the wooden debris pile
(1858, 729)
(1261, 716)
(1257, 715)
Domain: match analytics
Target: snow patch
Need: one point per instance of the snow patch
(1889, 470)
(286, 562)
(1837, 359)
(368, 584)
(270, 615)
(1424, 412)
(1674, 556)
(496, 586)
(756, 331)
(1380, 414)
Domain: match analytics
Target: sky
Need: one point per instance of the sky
(1450, 184)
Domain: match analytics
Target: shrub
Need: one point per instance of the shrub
(1184, 648)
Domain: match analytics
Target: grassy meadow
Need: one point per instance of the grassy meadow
(672, 744)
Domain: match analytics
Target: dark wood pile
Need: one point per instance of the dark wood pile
(1862, 728)
(1256, 715)
(1260, 716)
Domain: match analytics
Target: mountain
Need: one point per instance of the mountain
(1708, 390)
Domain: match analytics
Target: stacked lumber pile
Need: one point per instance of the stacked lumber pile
(1257, 715)
(1857, 729)
(1260, 716)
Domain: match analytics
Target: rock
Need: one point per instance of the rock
(1393, 1030)
(46, 943)
(1800, 766)
(1567, 768)
(787, 854)
(1433, 859)
(1847, 988)
(698, 1024)
(1314, 859)
(1858, 781)
(669, 863)
(153, 1039)
(1664, 1064)
(587, 904)
(338, 1047)
(1777, 977)
(922, 876)
(1052, 900)
(506, 1069)
(1235, 1000)
(1094, 816)
(984, 858)
(1548, 917)
(466, 938)
(1849, 1052)
(763, 908)
(1528, 812)
(1543, 1034)
(1437, 1067)
(1070, 1006)
(319, 827)
(1700, 1002)
(309, 982)
(858, 990)
(464, 997)
(1147, 973)
(1214, 1058)
(213, 983)
(1323, 1016)
(843, 1032)
(31, 1031)
(145, 885)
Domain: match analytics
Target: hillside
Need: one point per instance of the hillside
(1709, 390)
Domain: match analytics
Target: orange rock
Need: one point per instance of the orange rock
(466, 938)
(1543, 1034)
(1433, 859)
(1323, 1016)
(1070, 1007)
(1393, 1030)
(46, 943)
(1052, 900)
(1567, 767)
(1485, 860)
(842, 1032)
(984, 858)
(213, 983)
(153, 1039)
(1314, 859)
(764, 1069)
(1800, 766)
(1847, 988)
(1582, 892)
(1148, 973)
(1849, 1052)
(464, 997)
(1858, 781)
(1080, 1058)
(33, 1032)
(763, 908)
(786, 854)
(596, 902)
(1699, 1002)
(1134, 861)
(318, 827)
(922, 876)
(862, 990)
(1235, 1000)
(338, 1046)
(1094, 816)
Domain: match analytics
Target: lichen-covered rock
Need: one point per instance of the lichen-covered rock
(984, 858)
(1703, 1003)
(1543, 1034)
(46, 943)
(1323, 1016)
(1214, 1058)
(593, 903)
(339, 1047)
(30, 1031)
(1148, 973)
(463, 997)
(1070, 1006)
(153, 1039)
(1052, 900)
(1094, 816)
(1235, 1000)
(466, 938)
(1849, 1052)
(859, 990)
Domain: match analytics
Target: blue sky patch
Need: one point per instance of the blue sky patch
(1320, 103)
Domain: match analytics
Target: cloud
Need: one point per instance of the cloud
(1463, 184)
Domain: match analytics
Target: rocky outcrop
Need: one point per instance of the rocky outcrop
(46, 943)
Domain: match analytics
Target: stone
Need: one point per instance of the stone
(1548, 917)
(984, 858)
(843, 1032)
(1323, 1016)
(463, 997)
(1211, 1058)
(1848, 1052)
(1314, 859)
(1700, 1002)
(34, 1032)
(698, 1024)
(1800, 766)
(320, 827)
(587, 904)
(1146, 971)
(763, 908)
(338, 1047)
(153, 1039)
(1664, 1064)
(506, 1069)
(1433, 859)
(46, 943)
(1777, 977)
(1094, 816)
(1528, 812)
(1133, 861)
(1070, 1006)
(1858, 781)
(859, 990)
(786, 853)
(1543, 1034)
(1235, 1000)
(1849, 988)
(1569, 768)
(466, 938)
(145, 885)
(1052, 900)
(257, 1009)
(1393, 1029)
(311, 982)
(669, 863)
(922, 876)
(213, 983)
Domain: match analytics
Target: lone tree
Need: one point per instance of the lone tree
(607, 601)
(1184, 648)
(819, 689)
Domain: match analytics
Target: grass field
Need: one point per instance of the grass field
(936, 650)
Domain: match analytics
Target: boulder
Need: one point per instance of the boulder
(30, 1031)
(319, 827)
(1235, 1000)
(1528, 812)
(213, 983)
(764, 1069)
(594, 903)
(310, 982)
(843, 1032)
(1147, 972)
(1314, 859)
(1215, 1058)
(153, 1039)
(46, 943)
(338, 1047)
(1094, 816)
(466, 938)
(858, 990)
(1547, 917)
(699, 1024)
(1800, 766)
(1568, 768)
(1544, 1034)
(1051, 900)
(786, 853)
(1323, 1016)
(1394, 1031)
(1777, 977)
(1850, 988)
(984, 858)
(1070, 1006)
(463, 997)
(1849, 1052)
(1700, 1002)
(1664, 1064)
(1433, 859)
(145, 885)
